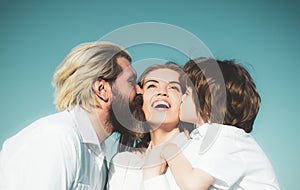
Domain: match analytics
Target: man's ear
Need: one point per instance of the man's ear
(101, 89)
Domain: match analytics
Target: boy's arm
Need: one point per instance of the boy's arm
(185, 175)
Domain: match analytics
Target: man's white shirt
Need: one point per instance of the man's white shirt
(60, 151)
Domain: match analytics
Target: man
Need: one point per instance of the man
(66, 150)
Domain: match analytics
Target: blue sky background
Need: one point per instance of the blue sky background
(264, 35)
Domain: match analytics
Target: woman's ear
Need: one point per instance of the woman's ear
(100, 88)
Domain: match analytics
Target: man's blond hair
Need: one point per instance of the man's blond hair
(85, 64)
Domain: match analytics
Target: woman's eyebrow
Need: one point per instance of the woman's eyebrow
(174, 82)
(156, 81)
(151, 80)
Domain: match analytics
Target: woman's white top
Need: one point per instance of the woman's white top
(227, 153)
(126, 168)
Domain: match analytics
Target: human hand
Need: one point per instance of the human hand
(169, 151)
(154, 164)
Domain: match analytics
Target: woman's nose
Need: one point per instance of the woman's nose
(162, 91)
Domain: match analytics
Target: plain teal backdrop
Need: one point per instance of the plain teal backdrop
(36, 35)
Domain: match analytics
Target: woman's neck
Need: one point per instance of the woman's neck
(161, 135)
(199, 121)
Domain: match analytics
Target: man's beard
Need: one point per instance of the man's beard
(128, 119)
(120, 116)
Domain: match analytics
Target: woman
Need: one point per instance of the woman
(163, 87)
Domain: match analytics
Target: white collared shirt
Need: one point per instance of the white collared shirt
(231, 156)
(60, 151)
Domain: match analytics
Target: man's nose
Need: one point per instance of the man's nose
(138, 89)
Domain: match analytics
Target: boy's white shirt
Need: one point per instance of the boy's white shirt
(234, 159)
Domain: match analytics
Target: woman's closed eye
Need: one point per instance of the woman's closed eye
(150, 86)
(175, 87)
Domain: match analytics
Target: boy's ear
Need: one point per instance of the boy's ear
(101, 89)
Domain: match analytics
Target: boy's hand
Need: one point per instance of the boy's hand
(169, 151)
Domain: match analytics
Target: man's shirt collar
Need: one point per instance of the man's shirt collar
(84, 126)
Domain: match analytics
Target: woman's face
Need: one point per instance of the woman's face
(162, 97)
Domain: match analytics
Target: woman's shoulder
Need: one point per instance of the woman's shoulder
(125, 171)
